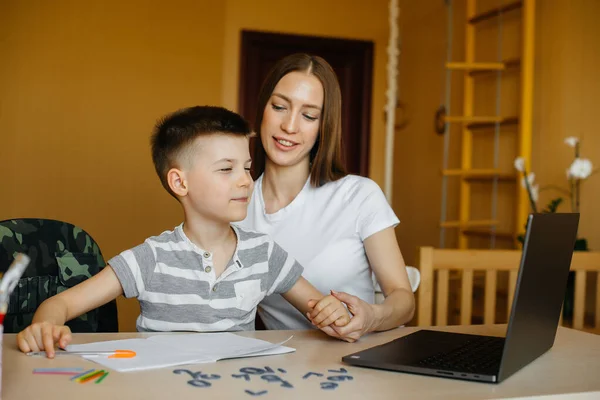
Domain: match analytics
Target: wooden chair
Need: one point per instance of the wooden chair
(450, 264)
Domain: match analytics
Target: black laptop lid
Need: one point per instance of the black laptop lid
(540, 289)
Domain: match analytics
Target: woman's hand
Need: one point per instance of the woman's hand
(363, 317)
(327, 311)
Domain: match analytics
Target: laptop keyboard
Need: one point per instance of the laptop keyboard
(477, 355)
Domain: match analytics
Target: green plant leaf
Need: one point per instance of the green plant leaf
(553, 205)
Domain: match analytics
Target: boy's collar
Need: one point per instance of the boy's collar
(235, 259)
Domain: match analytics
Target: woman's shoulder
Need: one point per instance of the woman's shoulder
(354, 184)
(361, 180)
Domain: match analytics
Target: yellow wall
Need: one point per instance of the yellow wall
(567, 89)
(348, 19)
(418, 149)
(81, 87)
(565, 103)
(82, 83)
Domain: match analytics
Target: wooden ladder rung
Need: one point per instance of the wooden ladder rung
(483, 66)
(510, 63)
(502, 177)
(487, 233)
(465, 224)
(504, 122)
(481, 174)
(472, 119)
(494, 12)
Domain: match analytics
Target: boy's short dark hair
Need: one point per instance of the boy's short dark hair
(174, 133)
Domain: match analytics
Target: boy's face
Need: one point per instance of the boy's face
(217, 178)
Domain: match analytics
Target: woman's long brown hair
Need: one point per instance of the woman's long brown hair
(326, 154)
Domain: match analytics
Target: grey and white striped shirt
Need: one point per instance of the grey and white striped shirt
(175, 282)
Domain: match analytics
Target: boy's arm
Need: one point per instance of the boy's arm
(48, 322)
(300, 294)
(321, 310)
(73, 302)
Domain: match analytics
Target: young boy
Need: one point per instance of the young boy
(206, 274)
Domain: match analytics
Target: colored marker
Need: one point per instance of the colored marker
(83, 374)
(92, 377)
(76, 369)
(54, 373)
(102, 377)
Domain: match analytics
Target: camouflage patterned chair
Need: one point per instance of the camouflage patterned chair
(62, 255)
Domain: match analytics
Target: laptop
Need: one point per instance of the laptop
(536, 308)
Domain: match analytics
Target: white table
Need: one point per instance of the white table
(571, 366)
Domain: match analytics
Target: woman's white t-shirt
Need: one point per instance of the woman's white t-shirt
(324, 229)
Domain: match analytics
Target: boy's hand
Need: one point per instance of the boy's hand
(328, 311)
(42, 336)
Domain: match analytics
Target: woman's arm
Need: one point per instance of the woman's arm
(398, 308)
(386, 261)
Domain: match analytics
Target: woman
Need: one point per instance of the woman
(338, 226)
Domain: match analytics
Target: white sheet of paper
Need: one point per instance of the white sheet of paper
(218, 346)
(269, 352)
(162, 351)
(149, 355)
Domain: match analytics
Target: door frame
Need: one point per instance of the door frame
(253, 41)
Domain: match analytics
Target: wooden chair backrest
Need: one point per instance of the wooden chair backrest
(463, 263)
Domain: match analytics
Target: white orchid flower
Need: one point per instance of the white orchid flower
(535, 193)
(530, 179)
(581, 168)
(572, 141)
(520, 164)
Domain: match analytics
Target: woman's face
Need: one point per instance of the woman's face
(292, 118)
